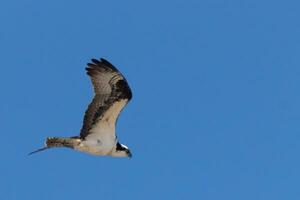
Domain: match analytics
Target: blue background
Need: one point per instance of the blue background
(215, 112)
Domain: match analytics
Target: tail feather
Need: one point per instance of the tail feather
(58, 142)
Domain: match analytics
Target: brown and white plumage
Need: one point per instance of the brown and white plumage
(110, 88)
(97, 135)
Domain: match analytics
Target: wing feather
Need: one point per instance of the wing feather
(110, 87)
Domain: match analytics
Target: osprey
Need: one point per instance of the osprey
(97, 135)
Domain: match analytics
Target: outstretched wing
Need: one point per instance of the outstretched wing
(112, 93)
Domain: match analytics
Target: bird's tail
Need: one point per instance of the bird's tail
(58, 142)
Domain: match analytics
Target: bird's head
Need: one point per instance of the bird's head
(122, 151)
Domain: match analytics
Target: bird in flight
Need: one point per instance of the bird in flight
(98, 133)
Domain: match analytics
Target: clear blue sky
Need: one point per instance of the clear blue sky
(215, 112)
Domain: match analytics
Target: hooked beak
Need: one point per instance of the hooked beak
(129, 154)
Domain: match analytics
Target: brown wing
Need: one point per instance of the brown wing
(110, 87)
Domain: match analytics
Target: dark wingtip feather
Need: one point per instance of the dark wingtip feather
(91, 65)
(104, 61)
(108, 64)
(95, 61)
(90, 71)
(91, 68)
(101, 64)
